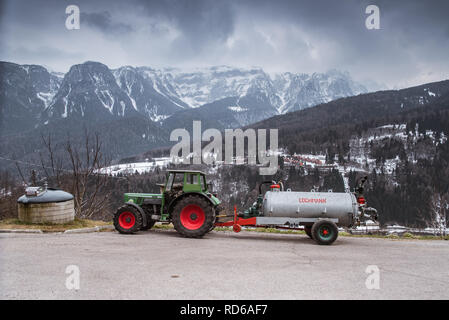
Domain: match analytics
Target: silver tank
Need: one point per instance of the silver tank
(311, 205)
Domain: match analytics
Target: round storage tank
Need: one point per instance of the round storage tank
(40, 205)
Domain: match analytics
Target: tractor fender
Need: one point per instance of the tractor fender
(173, 202)
(142, 213)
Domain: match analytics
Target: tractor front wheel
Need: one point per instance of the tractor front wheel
(193, 216)
(127, 220)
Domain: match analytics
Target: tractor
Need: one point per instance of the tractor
(184, 200)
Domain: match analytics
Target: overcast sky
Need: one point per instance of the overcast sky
(410, 48)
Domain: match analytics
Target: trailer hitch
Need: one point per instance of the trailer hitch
(237, 222)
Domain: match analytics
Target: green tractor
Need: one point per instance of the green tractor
(184, 200)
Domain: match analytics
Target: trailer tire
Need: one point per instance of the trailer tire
(324, 232)
(127, 220)
(308, 231)
(193, 216)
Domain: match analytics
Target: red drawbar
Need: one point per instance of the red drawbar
(126, 220)
(239, 221)
(192, 217)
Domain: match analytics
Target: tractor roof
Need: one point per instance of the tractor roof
(188, 171)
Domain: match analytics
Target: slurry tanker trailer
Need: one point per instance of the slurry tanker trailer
(186, 202)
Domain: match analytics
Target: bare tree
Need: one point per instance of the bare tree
(10, 190)
(439, 207)
(87, 180)
(53, 168)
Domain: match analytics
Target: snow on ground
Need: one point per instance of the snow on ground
(237, 109)
(4, 193)
(140, 167)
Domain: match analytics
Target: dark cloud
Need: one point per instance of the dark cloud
(104, 22)
(200, 22)
(284, 35)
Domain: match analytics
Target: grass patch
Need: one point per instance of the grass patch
(274, 230)
(163, 226)
(404, 236)
(14, 223)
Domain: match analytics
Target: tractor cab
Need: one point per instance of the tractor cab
(180, 182)
(185, 181)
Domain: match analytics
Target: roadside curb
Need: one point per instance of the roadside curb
(21, 231)
(88, 230)
(80, 230)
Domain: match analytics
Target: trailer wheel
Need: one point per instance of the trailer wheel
(127, 219)
(324, 232)
(193, 216)
(308, 231)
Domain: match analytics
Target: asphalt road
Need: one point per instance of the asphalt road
(160, 264)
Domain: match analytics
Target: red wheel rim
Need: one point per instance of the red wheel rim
(126, 220)
(192, 217)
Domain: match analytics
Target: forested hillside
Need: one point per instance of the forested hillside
(398, 137)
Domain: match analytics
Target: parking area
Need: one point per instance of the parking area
(159, 264)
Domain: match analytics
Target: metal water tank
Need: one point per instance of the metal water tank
(340, 205)
(39, 205)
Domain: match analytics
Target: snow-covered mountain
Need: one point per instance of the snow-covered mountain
(243, 96)
(232, 96)
(285, 91)
(25, 92)
(300, 91)
(90, 91)
(149, 95)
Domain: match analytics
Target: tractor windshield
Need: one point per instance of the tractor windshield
(174, 181)
(203, 183)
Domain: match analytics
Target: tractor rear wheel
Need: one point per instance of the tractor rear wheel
(324, 232)
(193, 216)
(127, 219)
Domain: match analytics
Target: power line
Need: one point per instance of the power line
(51, 168)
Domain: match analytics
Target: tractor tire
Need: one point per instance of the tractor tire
(308, 231)
(150, 224)
(324, 232)
(127, 220)
(215, 221)
(193, 216)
